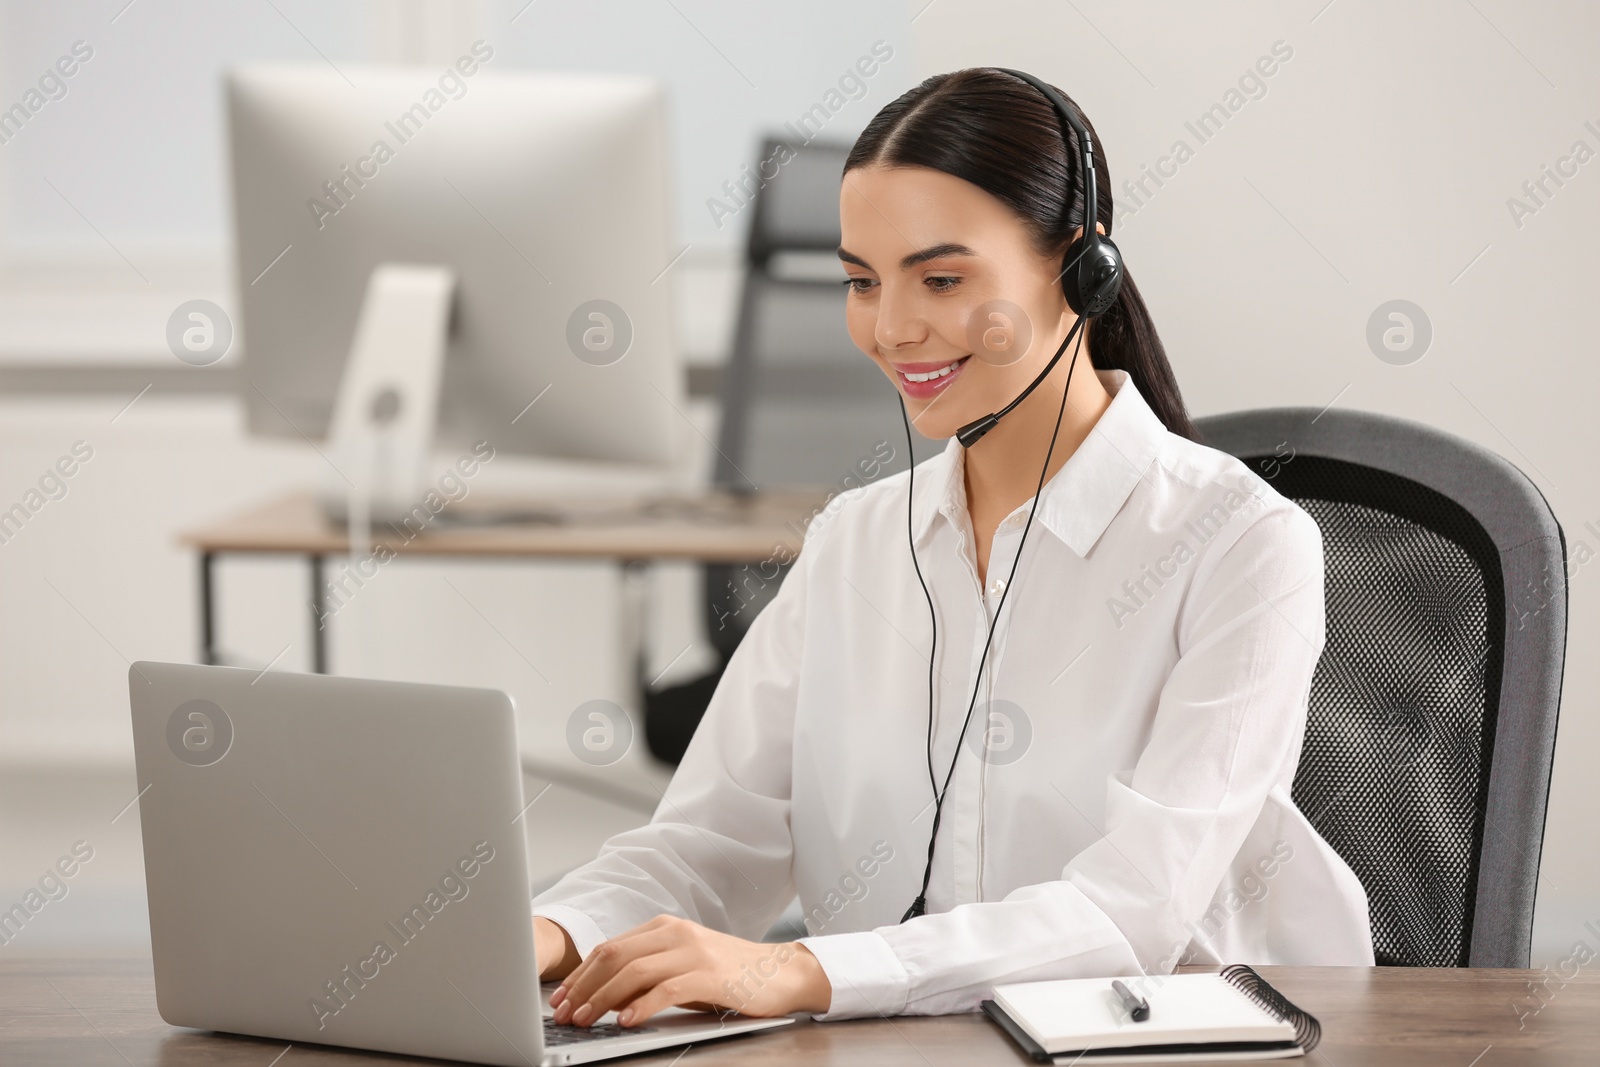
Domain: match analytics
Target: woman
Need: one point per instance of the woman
(1121, 802)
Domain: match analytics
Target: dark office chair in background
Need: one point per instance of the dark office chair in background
(801, 406)
(1433, 709)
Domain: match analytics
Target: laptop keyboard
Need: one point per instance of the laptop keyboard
(559, 1034)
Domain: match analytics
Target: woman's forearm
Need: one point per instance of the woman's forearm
(553, 948)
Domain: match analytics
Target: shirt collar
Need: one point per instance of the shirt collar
(1079, 502)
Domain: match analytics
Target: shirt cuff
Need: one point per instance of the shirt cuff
(868, 979)
(584, 931)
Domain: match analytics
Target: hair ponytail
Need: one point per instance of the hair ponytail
(997, 132)
(1123, 337)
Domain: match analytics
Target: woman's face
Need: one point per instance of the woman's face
(946, 293)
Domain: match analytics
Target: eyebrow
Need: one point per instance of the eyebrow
(935, 252)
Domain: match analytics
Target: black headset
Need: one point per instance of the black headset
(1091, 275)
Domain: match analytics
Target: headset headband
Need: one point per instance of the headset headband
(1073, 130)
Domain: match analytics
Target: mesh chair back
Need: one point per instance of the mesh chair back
(1431, 732)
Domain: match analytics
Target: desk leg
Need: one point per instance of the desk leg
(208, 633)
(635, 619)
(319, 633)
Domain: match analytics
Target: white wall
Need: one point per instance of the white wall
(1377, 166)
(136, 142)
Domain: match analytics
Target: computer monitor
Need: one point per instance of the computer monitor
(480, 240)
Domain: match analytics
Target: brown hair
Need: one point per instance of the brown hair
(999, 133)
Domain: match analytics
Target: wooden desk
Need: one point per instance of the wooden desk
(91, 1012)
(710, 527)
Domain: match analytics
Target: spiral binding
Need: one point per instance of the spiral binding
(1307, 1031)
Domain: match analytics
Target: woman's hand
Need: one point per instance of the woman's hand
(672, 962)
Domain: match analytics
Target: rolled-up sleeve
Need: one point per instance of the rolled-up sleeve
(1226, 732)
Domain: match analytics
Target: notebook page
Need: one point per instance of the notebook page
(1078, 1013)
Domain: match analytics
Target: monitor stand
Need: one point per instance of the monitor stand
(381, 437)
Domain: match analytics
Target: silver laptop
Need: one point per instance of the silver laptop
(342, 861)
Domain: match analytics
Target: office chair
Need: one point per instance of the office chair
(1433, 709)
(801, 406)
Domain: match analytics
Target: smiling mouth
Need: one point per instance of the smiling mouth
(936, 373)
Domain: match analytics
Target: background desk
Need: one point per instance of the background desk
(91, 1012)
(711, 527)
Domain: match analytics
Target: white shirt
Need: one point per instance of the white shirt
(1122, 800)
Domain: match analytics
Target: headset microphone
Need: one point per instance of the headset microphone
(969, 434)
(1091, 275)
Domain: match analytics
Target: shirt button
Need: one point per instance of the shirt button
(1014, 522)
(997, 587)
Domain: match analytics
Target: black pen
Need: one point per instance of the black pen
(1138, 1007)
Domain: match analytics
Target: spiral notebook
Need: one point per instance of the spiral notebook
(1235, 1014)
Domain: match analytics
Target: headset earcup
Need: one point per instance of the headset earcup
(1091, 287)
